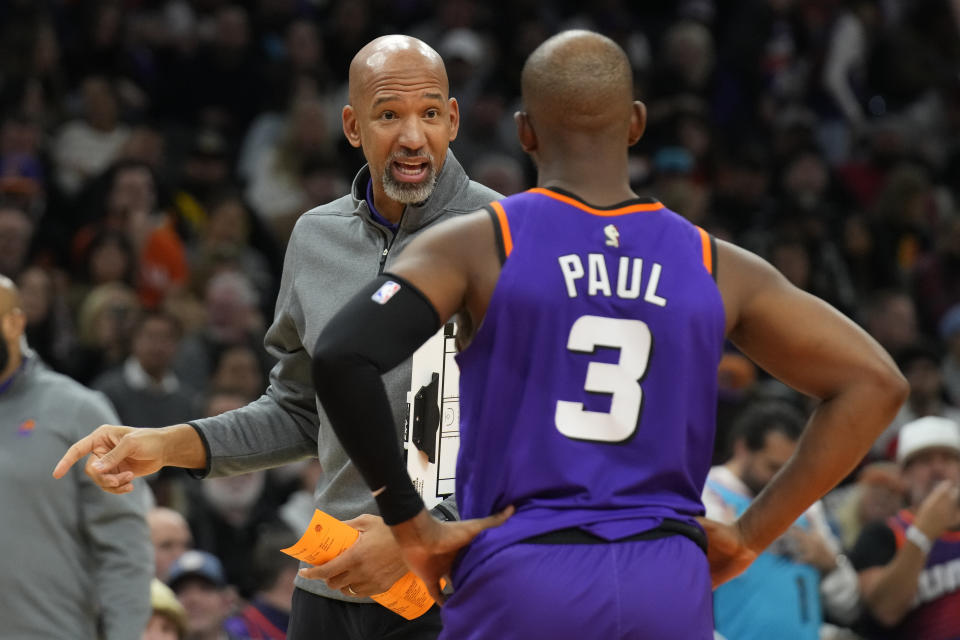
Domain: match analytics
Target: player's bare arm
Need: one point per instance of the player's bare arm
(813, 348)
(455, 265)
(449, 269)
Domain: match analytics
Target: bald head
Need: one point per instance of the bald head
(578, 81)
(170, 536)
(402, 116)
(391, 55)
(9, 295)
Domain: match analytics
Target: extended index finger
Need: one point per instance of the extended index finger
(78, 450)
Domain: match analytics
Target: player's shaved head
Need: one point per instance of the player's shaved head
(394, 55)
(578, 81)
(579, 117)
(9, 295)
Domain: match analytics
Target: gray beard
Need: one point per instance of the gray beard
(408, 192)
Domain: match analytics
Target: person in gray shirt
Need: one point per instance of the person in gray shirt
(144, 389)
(402, 117)
(76, 562)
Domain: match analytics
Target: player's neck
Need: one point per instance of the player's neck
(598, 183)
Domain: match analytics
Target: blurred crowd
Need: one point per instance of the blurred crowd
(154, 155)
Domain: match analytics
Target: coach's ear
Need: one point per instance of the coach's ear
(638, 122)
(525, 132)
(351, 127)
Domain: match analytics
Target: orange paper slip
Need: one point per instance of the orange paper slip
(327, 537)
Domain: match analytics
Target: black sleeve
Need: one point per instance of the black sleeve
(875, 547)
(375, 331)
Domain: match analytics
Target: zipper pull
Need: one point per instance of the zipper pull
(383, 260)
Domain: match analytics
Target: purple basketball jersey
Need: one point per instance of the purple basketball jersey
(588, 394)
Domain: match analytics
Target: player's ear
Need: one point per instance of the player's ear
(525, 132)
(351, 127)
(638, 122)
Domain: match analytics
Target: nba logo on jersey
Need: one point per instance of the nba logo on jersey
(613, 235)
(384, 293)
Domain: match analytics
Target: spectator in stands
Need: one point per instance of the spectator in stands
(867, 260)
(500, 172)
(108, 258)
(950, 334)
(146, 145)
(85, 147)
(225, 243)
(890, 316)
(105, 323)
(170, 536)
(847, 57)
(49, 326)
(206, 172)
(267, 614)
(131, 208)
(905, 213)
(937, 278)
(144, 389)
(227, 519)
(16, 231)
(908, 564)
(232, 320)
(237, 368)
(169, 619)
(298, 510)
(875, 496)
(21, 161)
(779, 595)
(198, 580)
(274, 191)
(222, 400)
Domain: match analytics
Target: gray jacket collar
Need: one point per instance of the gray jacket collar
(451, 181)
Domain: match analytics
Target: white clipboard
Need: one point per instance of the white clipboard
(432, 430)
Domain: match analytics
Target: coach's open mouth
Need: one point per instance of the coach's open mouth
(405, 171)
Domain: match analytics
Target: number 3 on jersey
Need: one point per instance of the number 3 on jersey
(620, 380)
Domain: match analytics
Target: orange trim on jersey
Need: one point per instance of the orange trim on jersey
(633, 208)
(504, 228)
(707, 250)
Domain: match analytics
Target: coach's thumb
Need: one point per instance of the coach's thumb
(115, 456)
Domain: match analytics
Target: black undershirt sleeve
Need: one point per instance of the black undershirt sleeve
(875, 547)
(379, 328)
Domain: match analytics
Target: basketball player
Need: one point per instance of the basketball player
(588, 390)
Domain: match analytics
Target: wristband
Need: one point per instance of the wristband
(919, 538)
